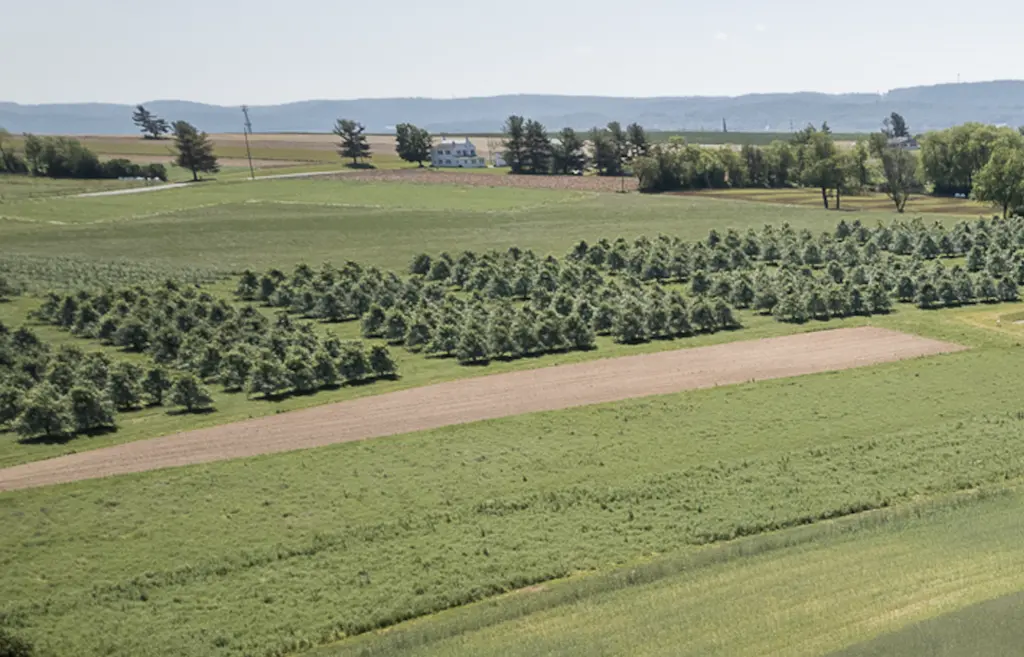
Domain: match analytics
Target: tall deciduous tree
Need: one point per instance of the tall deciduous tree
(899, 167)
(195, 150)
(353, 142)
(412, 144)
(822, 165)
(1001, 181)
(514, 143)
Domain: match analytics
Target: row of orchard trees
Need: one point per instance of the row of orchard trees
(239, 348)
(64, 392)
(477, 307)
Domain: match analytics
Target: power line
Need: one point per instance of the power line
(247, 130)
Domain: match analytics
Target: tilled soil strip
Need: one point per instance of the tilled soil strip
(488, 397)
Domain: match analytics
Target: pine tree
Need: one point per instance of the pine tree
(353, 142)
(195, 150)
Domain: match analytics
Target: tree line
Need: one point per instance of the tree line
(65, 157)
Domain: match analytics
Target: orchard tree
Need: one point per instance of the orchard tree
(472, 346)
(578, 332)
(395, 326)
(156, 384)
(190, 393)
(124, 386)
(412, 144)
(90, 409)
(195, 150)
(381, 363)
(235, 367)
(11, 400)
(151, 126)
(353, 366)
(45, 413)
(267, 376)
(353, 142)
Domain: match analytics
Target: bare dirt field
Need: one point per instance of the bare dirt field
(489, 397)
(493, 179)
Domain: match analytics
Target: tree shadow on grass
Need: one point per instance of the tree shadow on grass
(184, 411)
(64, 440)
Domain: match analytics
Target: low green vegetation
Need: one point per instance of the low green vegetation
(992, 628)
(274, 554)
(804, 592)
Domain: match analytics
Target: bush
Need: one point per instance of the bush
(13, 646)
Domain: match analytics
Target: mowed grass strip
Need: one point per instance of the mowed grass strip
(272, 554)
(826, 587)
(992, 628)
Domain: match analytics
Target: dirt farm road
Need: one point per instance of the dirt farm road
(488, 397)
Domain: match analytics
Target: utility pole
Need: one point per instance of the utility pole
(247, 130)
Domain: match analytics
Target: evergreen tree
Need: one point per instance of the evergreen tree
(373, 322)
(300, 373)
(578, 333)
(1007, 290)
(515, 143)
(550, 331)
(538, 148)
(472, 345)
(325, 369)
(151, 126)
(568, 155)
(986, 288)
(702, 316)
(444, 340)
(630, 324)
(927, 296)
(353, 142)
(724, 317)
(195, 150)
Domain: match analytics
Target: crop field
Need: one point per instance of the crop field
(809, 515)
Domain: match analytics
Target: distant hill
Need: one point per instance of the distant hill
(926, 108)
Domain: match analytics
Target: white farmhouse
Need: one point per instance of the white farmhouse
(458, 154)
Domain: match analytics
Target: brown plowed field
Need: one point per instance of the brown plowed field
(488, 397)
(488, 178)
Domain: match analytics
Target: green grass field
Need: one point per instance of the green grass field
(805, 593)
(277, 554)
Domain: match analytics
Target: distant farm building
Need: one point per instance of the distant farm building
(907, 143)
(457, 154)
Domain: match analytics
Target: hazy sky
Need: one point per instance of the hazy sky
(271, 51)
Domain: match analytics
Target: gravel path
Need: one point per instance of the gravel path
(482, 398)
